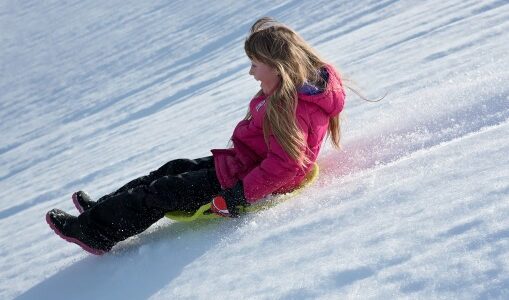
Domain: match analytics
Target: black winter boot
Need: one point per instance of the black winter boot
(69, 228)
(82, 201)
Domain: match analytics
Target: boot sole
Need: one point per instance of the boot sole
(73, 240)
(77, 204)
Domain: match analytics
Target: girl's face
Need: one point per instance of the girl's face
(267, 75)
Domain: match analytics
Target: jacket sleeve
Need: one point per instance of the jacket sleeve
(274, 171)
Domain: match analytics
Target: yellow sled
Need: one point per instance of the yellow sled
(203, 213)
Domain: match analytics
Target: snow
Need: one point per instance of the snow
(415, 205)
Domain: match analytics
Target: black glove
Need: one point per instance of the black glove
(228, 202)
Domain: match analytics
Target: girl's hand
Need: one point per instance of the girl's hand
(219, 207)
(227, 203)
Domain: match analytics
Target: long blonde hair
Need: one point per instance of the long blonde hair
(296, 62)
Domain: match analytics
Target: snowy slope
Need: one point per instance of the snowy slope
(414, 206)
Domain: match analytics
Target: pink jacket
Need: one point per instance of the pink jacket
(267, 170)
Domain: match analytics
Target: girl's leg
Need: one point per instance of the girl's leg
(173, 167)
(83, 202)
(131, 211)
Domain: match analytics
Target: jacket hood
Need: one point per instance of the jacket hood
(332, 99)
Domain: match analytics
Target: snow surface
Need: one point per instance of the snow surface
(415, 205)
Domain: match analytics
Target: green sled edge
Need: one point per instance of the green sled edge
(203, 213)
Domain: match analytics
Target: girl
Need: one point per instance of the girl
(273, 148)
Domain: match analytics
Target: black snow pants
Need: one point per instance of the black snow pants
(179, 185)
